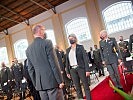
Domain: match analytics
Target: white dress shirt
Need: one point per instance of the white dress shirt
(72, 57)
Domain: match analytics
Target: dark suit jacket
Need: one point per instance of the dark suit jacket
(108, 51)
(81, 58)
(42, 65)
(123, 45)
(59, 56)
(97, 56)
(130, 42)
(25, 70)
(17, 72)
(90, 59)
(5, 75)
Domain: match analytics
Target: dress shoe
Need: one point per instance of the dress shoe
(100, 75)
(121, 88)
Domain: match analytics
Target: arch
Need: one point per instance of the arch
(80, 27)
(50, 35)
(20, 46)
(4, 55)
(118, 16)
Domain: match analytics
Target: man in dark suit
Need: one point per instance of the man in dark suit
(77, 67)
(98, 61)
(17, 72)
(43, 66)
(123, 46)
(90, 55)
(108, 49)
(33, 92)
(131, 43)
(5, 78)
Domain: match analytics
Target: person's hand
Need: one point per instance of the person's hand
(87, 74)
(69, 76)
(61, 85)
(119, 61)
(61, 72)
(103, 62)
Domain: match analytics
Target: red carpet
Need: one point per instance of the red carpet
(104, 92)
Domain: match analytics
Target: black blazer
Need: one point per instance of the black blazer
(81, 58)
(59, 56)
(124, 45)
(89, 56)
(43, 66)
(130, 42)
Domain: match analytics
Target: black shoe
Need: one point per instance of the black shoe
(100, 75)
(121, 88)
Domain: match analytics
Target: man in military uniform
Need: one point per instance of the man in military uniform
(98, 61)
(108, 49)
(123, 46)
(5, 78)
(17, 72)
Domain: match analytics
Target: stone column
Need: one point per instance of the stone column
(29, 34)
(10, 49)
(59, 34)
(94, 20)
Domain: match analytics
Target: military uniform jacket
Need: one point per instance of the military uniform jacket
(97, 56)
(123, 45)
(109, 51)
(5, 75)
(17, 71)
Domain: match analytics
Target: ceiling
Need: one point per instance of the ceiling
(13, 12)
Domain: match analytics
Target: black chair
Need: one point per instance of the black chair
(93, 73)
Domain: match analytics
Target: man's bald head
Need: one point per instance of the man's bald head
(103, 34)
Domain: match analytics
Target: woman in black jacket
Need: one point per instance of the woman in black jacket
(77, 66)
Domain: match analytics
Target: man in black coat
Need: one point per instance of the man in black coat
(131, 43)
(17, 72)
(123, 46)
(90, 55)
(33, 91)
(98, 61)
(5, 78)
(43, 66)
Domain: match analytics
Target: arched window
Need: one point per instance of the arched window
(79, 26)
(20, 46)
(118, 16)
(3, 55)
(50, 35)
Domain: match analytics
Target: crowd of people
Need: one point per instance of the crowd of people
(48, 72)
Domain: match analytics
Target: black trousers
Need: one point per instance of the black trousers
(52, 94)
(7, 89)
(33, 91)
(100, 67)
(77, 75)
